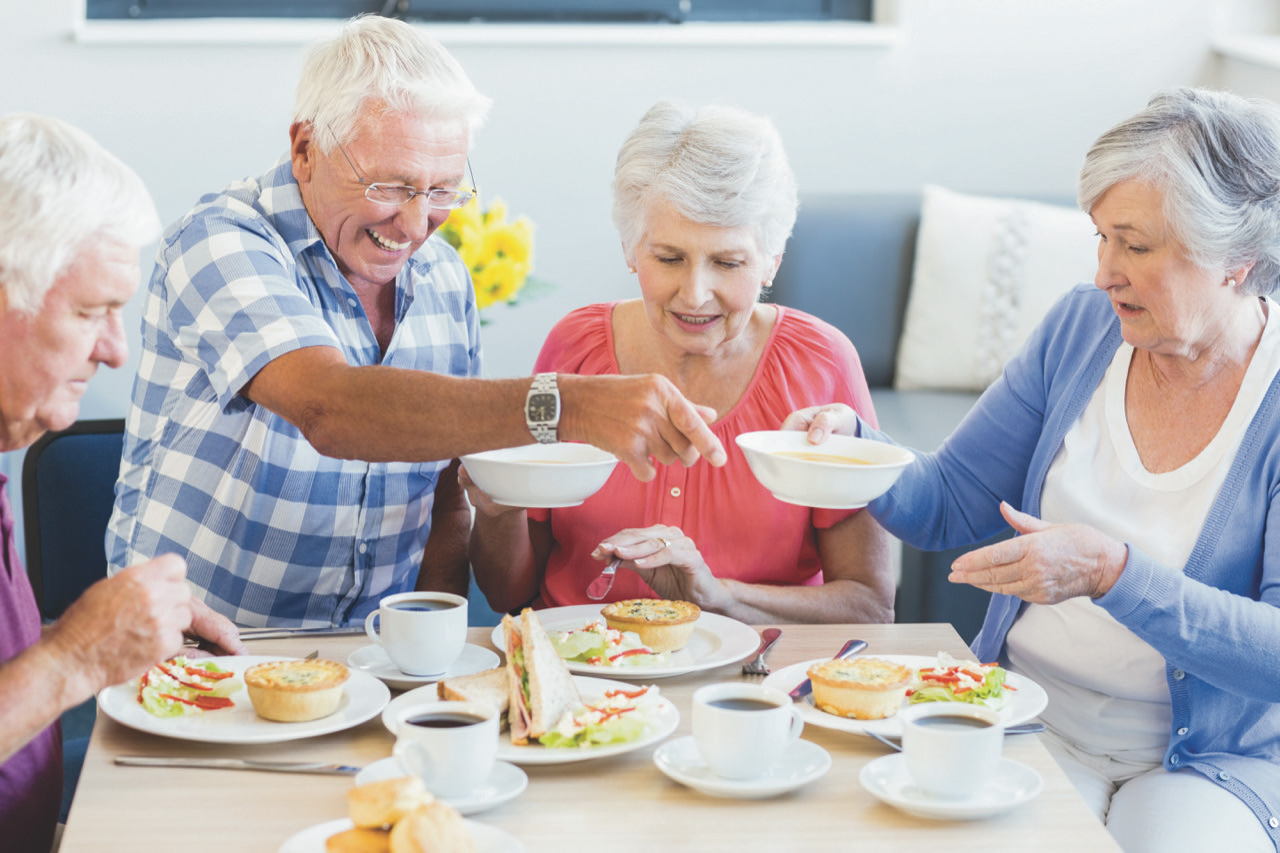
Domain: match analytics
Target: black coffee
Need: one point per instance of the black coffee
(733, 704)
(444, 721)
(423, 605)
(952, 721)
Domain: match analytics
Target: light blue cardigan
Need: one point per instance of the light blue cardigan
(1215, 621)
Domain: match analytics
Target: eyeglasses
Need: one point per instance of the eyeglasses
(397, 194)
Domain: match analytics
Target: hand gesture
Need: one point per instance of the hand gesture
(669, 562)
(822, 421)
(1047, 564)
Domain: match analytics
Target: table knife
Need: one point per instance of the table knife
(283, 633)
(237, 764)
(851, 648)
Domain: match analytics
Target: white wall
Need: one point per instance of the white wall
(982, 95)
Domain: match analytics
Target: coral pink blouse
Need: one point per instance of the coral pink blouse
(743, 531)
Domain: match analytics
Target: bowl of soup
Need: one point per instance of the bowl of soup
(541, 475)
(841, 473)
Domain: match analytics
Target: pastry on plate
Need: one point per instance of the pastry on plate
(359, 840)
(433, 828)
(294, 691)
(384, 802)
(861, 688)
(663, 626)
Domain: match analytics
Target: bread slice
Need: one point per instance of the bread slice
(488, 687)
(540, 688)
(294, 691)
(860, 688)
(663, 626)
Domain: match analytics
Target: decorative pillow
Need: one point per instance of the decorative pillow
(986, 272)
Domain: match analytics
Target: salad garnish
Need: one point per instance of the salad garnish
(954, 680)
(179, 686)
(620, 716)
(599, 645)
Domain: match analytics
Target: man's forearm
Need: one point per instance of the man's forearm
(444, 559)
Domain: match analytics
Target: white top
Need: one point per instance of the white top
(1107, 688)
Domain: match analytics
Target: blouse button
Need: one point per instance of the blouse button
(675, 492)
(1178, 675)
(1183, 730)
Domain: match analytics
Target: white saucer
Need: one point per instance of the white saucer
(373, 660)
(506, 782)
(801, 764)
(1012, 785)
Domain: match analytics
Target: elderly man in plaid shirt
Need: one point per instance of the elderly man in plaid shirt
(311, 360)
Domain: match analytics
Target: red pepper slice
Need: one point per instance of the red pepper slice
(629, 652)
(630, 694)
(205, 673)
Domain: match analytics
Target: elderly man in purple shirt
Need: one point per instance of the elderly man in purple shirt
(72, 220)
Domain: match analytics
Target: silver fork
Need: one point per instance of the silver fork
(757, 666)
(315, 653)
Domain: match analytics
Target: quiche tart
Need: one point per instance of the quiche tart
(663, 626)
(860, 688)
(294, 691)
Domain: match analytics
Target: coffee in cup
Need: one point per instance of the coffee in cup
(452, 746)
(951, 748)
(422, 632)
(741, 730)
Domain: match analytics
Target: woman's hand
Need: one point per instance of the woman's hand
(1047, 564)
(822, 421)
(480, 498)
(669, 562)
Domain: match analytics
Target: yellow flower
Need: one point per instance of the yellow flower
(498, 253)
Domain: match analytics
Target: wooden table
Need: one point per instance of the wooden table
(619, 804)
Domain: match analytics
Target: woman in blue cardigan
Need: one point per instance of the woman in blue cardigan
(1134, 443)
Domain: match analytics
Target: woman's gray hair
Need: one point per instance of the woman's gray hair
(717, 165)
(375, 58)
(59, 191)
(1216, 158)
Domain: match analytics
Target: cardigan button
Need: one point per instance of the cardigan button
(1183, 730)
(1173, 759)
(1178, 675)
(1273, 823)
(1224, 776)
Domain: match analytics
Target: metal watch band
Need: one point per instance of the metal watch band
(543, 389)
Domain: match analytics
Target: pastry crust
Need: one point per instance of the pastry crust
(294, 691)
(383, 803)
(433, 828)
(663, 626)
(860, 688)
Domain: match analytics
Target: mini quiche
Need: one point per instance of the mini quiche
(860, 688)
(294, 691)
(663, 626)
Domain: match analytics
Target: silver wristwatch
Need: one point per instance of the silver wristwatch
(542, 408)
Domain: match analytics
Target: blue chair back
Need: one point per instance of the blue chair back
(68, 488)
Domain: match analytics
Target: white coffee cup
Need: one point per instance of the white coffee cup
(951, 748)
(451, 745)
(741, 730)
(422, 632)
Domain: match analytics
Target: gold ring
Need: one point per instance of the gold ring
(665, 544)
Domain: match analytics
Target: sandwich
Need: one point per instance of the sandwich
(488, 687)
(540, 690)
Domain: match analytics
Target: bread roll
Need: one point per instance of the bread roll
(383, 803)
(433, 828)
(359, 840)
(860, 688)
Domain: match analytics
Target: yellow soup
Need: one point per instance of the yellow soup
(810, 456)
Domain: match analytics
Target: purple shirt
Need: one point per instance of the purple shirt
(31, 780)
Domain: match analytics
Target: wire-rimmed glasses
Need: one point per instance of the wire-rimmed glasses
(398, 194)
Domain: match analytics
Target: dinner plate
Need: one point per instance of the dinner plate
(716, 641)
(505, 782)
(801, 763)
(363, 698)
(663, 722)
(1026, 698)
(373, 660)
(488, 839)
(1012, 784)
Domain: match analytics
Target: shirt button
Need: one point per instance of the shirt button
(675, 492)
(1178, 675)
(1224, 776)
(364, 547)
(351, 302)
(1182, 731)
(1173, 759)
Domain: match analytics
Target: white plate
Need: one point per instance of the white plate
(716, 641)
(1012, 785)
(488, 839)
(363, 698)
(802, 763)
(1026, 701)
(663, 722)
(506, 782)
(373, 660)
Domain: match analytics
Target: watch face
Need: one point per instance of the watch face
(542, 408)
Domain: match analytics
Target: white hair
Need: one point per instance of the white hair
(59, 191)
(717, 165)
(1216, 158)
(382, 59)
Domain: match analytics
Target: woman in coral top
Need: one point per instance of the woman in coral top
(704, 201)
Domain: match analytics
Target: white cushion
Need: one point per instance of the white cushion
(986, 272)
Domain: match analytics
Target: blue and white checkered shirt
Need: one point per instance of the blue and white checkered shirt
(273, 532)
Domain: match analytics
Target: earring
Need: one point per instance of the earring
(632, 269)
(1231, 282)
(768, 283)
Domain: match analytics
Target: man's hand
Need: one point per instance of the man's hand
(638, 417)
